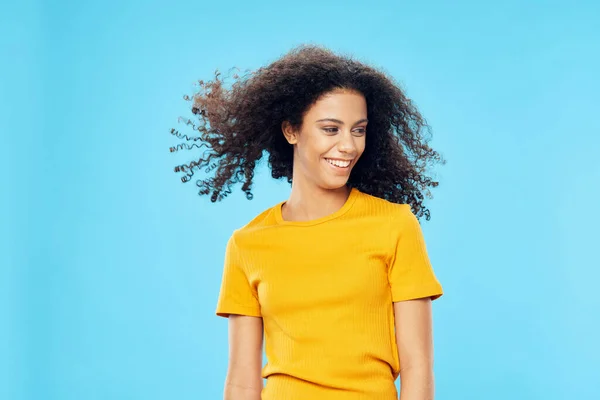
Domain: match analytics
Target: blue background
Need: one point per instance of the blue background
(111, 266)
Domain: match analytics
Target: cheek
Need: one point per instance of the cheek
(313, 148)
(360, 145)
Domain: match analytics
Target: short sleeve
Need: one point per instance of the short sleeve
(236, 295)
(410, 273)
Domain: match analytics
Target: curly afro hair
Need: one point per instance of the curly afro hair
(239, 124)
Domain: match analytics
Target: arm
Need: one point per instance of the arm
(244, 381)
(415, 348)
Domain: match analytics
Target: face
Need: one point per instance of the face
(331, 140)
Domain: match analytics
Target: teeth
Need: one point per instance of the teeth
(337, 163)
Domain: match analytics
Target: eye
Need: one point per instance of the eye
(360, 131)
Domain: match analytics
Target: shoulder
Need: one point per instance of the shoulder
(397, 218)
(386, 208)
(260, 221)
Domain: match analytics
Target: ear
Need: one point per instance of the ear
(290, 134)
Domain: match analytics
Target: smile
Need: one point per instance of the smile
(339, 163)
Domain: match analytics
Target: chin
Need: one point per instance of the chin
(331, 184)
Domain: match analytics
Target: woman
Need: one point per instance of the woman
(336, 278)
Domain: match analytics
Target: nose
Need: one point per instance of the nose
(346, 143)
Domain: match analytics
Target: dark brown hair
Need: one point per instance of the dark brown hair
(238, 125)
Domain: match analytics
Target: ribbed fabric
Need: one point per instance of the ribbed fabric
(325, 289)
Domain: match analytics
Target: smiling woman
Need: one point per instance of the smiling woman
(329, 143)
(336, 279)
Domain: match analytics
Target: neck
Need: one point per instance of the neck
(308, 201)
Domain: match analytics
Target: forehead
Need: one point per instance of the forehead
(339, 104)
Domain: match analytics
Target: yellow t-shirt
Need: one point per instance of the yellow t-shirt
(325, 289)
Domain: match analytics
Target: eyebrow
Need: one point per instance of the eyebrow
(337, 121)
